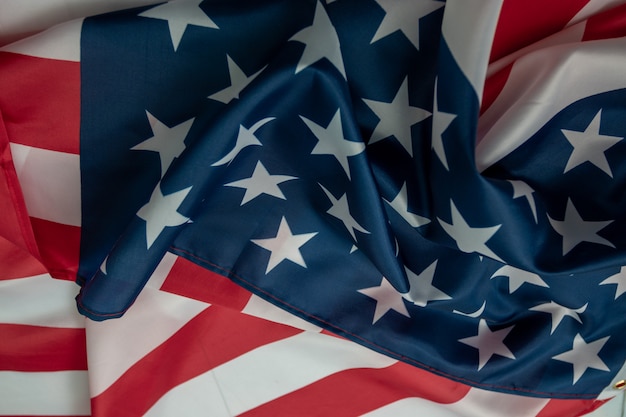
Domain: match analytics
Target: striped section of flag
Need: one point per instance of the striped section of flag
(571, 51)
(193, 343)
(43, 363)
(214, 357)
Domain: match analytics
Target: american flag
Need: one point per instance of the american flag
(350, 207)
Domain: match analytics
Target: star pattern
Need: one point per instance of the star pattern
(245, 137)
(441, 121)
(168, 142)
(584, 356)
(590, 146)
(396, 118)
(521, 189)
(238, 81)
(331, 141)
(519, 277)
(469, 239)
(575, 230)
(619, 279)
(422, 290)
(400, 204)
(259, 121)
(559, 312)
(489, 343)
(161, 212)
(179, 15)
(284, 246)
(321, 41)
(387, 299)
(404, 15)
(341, 211)
(261, 182)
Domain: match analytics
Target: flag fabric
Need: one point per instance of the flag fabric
(315, 208)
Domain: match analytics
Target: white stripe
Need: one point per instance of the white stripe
(22, 18)
(61, 42)
(610, 391)
(468, 28)
(540, 86)
(258, 307)
(40, 301)
(50, 183)
(266, 373)
(412, 407)
(44, 393)
(569, 35)
(616, 407)
(477, 403)
(200, 396)
(113, 346)
(594, 7)
(162, 270)
(481, 403)
(293, 363)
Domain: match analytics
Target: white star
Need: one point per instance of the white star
(331, 141)
(261, 182)
(387, 298)
(238, 81)
(584, 356)
(474, 314)
(285, 245)
(440, 121)
(168, 142)
(400, 204)
(396, 118)
(321, 41)
(103, 266)
(469, 239)
(619, 279)
(341, 211)
(489, 343)
(404, 15)
(161, 212)
(180, 14)
(575, 230)
(521, 189)
(245, 138)
(422, 290)
(518, 277)
(590, 146)
(559, 312)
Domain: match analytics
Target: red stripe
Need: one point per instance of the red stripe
(42, 349)
(569, 408)
(40, 101)
(192, 281)
(40, 107)
(16, 262)
(523, 22)
(210, 339)
(357, 391)
(59, 245)
(610, 24)
(14, 222)
(493, 87)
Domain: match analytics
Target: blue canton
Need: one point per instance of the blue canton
(325, 161)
